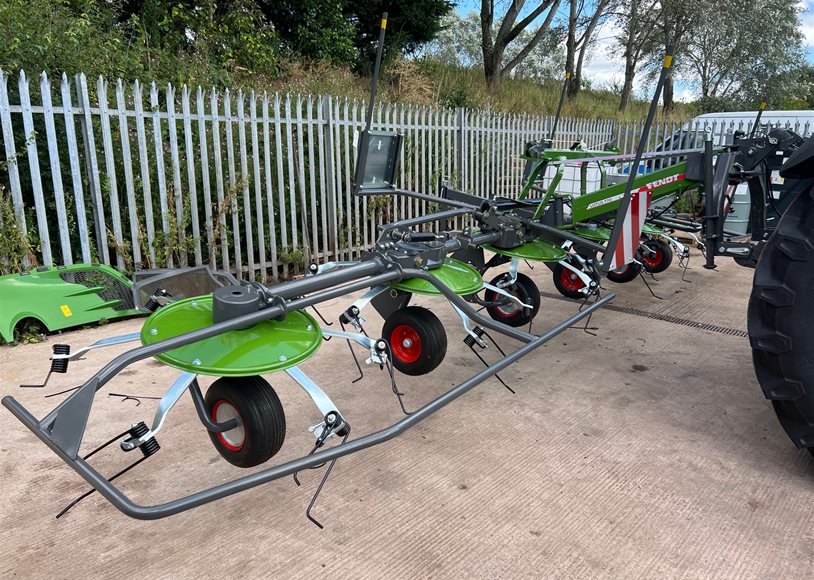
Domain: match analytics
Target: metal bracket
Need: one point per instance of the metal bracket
(167, 402)
(322, 401)
(589, 283)
(113, 340)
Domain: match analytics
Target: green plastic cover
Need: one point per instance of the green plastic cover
(64, 296)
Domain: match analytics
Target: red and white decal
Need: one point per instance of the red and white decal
(628, 241)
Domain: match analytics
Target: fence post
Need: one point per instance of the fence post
(330, 161)
(56, 171)
(76, 174)
(11, 162)
(34, 169)
(95, 186)
(460, 129)
(110, 171)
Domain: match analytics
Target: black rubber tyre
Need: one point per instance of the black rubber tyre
(567, 282)
(261, 430)
(510, 313)
(418, 341)
(781, 319)
(625, 273)
(660, 258)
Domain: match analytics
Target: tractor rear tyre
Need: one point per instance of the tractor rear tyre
(418, 341)
(658, 258)
(511, 313)
(260, 432)
(781, 319)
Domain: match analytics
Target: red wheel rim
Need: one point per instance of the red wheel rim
(570, 280)
(406, 344)
(509, 310)
(219, 417)
(653, 259)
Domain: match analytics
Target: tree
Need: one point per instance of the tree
(583, 19)
(410, 24)
(496, 38)
(675, 18)
(459, 44)
(731, 61)
(636, 21)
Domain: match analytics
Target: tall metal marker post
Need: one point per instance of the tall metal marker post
(630, 232)
(559, 105)
(364, 138)
(756, 124)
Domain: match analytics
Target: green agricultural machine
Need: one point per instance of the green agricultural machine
(780, 242)
(242, 332)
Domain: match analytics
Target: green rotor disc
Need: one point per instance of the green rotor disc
(537, 250)
(600, 234)
(459, 277)
(266, 347)
(652, 230)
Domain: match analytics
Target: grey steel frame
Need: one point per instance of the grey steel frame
(128, 507)
(62, 430)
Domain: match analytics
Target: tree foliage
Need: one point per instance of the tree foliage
(730, 61)
(206, 41)
(410, 25)
(729, 53)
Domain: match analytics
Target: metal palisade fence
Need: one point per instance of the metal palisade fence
(142, 176)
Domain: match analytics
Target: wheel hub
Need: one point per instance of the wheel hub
(233, 439)
(653, 258)
(406, 343)
(571, 280)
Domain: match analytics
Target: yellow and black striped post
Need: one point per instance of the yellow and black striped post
(756, 124)
(624, 205)
(565, 82)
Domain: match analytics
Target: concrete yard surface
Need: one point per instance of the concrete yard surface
(643, 450)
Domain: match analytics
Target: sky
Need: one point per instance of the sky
(808, 27)
(604, 65)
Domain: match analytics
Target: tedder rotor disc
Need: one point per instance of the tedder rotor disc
(600, 234)
(459, 277)
(652, 230)
(536, 250)
(268, 346)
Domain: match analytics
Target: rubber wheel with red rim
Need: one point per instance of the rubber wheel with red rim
(625, 273)
(418, 341)
(659, 258)
(261, 421)
(511, 313)
(567, 282)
